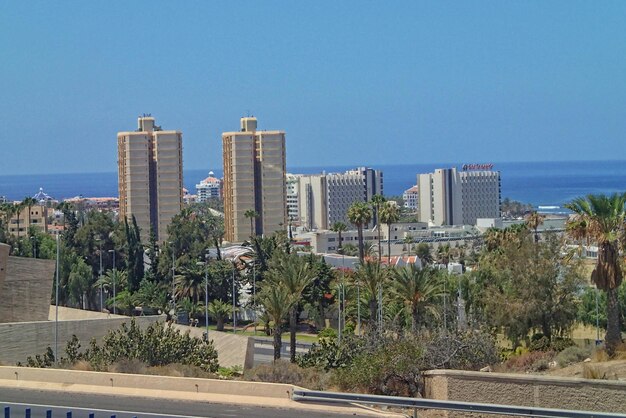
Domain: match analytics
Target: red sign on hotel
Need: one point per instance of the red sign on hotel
(467, 167)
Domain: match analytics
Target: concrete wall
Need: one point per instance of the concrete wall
(25, 288)
(181, 384)
(526, 390)
(19, 340)
(232, 350)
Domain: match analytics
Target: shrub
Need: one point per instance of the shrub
(285, 372)
(328, 354)
(544, 344)
(391, 368)
(328, 333)
(540, 365)
(570, 355)
(527, 362)
(470, 350)
(158, 345)
(131, 366)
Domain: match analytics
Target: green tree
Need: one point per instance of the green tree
(534, 220)
(424, 254)
(376, 202)
(389, 214)
(134, 254)
(523, 286)
(373, 278)
(294, 273)
(339, 228)
(219, 311)
(29, 202)
(604, 216)
(418, 289)
(360, 214)
(79, 283)
(277, 302)
(252, 215)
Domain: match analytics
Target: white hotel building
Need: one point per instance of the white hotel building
(449, 197)
(323, 199)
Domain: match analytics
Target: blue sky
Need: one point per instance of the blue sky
(351, 82)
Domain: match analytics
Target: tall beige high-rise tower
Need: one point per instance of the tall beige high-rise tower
(150, 176)
(254, 179)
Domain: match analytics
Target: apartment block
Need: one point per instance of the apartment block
(150, 176)
(450, 197)
(209, 188)
(36, 216)
(254, 179)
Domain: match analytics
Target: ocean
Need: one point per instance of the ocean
(546, 185)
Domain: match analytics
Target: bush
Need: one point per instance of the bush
(328, 354)
(544, 344)
(158, 345)
(285, 372)
(391, 368)
(528, 362)
(327, 333)
(570, 355)
(470, 350)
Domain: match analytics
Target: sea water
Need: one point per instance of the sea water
(546, 185)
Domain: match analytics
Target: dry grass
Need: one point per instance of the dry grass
(82, 366)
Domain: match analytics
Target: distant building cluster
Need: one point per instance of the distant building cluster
(209, 188)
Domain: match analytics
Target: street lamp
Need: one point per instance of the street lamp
(206, 293)
(114, 278)
(34, 243)
(56, 305)
(358, 306)
(100, 273)
(234, 307)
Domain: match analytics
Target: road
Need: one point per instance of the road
(128, 407)
(264, 350)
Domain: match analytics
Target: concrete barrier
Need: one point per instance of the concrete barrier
(131, 381)
(526, 390)
(19, 340)
(232, 350)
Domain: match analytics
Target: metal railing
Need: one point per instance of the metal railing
(419, 403)
(28, 411)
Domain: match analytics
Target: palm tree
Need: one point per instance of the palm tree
(8, 210)
(360, 214)
(277, 301)
(377, 201)
(252, 215)
(534, 221)
(424, 254)
(417, 289)
(443, 254)
(17, 211)
(604, 217)
(576, 228)
(339, 227)
(389, 215)
(190, 283)
(295, 273)
(29, 202)
(219, 311)
(373, 277)
(408, 241)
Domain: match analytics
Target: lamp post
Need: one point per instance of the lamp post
(114, 278)
(173, 284)
(234, 305)
(56, 305)
(254, 292)
(34, 244)
(206, 293)
(100, 272)
(358, 306)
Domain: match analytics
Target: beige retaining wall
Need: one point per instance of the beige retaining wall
(25, 287)
(19, 340)
(180, 384)
(526, 390)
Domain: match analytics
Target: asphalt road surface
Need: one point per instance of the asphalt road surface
(102, 406)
